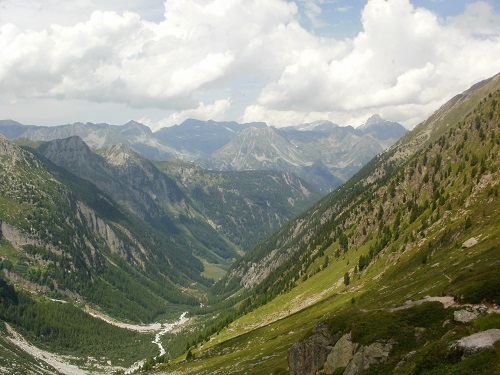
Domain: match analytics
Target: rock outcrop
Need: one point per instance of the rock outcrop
(341, 355)
(309, 356)
(367, 356)
(465, 316)
(325, 353)
(474, 343)
(469, 243)
(16, 237)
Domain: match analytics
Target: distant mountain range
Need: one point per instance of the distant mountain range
(322, 153)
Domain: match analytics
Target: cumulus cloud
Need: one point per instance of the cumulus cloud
(122, 58)
(190, 59)
(404, 56)
(214, 111)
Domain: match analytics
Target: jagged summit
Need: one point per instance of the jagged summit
(383, 129)
(374, 119)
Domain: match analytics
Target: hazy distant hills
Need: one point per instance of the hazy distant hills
(322, 153)
(201, 138)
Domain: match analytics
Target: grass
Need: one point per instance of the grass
(213, 271)
(258, 342)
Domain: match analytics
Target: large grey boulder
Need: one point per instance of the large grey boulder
(341, 355)
(367, 356)
(474, 343)
(309, 356)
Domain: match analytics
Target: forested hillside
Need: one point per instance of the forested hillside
(246, 206)
(72, 240)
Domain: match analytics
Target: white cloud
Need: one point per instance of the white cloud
(404, 56)
(313, 11)
(214, 111)
(478, 20)
(187, 61)
(122, 58)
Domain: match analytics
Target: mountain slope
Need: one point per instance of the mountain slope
(201, 138)
(245, 206)
(419, 220)
(377, 172)
(340, 151)
(62, 235)
(135, 183)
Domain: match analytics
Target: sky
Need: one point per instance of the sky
(277, 61)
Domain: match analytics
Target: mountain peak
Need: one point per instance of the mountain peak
(383, 129)
(374, 119)
(135, 128)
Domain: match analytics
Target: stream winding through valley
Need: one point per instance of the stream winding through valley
(167, 328)
(160, 329)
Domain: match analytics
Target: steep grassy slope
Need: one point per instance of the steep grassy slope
(399, 230)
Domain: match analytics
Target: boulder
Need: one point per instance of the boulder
(474, 343)
(469, 243)
(367, 356)
(341, 355)
(465, 316)
(309, 355)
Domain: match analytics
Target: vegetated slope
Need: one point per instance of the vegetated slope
(322, 153)
(62, 235)
(420, 219)
(245, 206)
(353, 210)
(135, 183)
(67, 339)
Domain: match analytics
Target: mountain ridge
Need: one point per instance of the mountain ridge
(206, 143)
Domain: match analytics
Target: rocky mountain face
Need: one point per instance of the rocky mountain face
(132, 134)
(322, 153)
(179, 195)
(202, 138)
